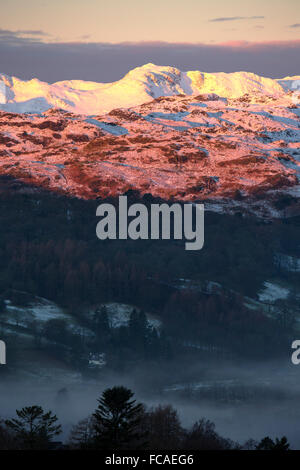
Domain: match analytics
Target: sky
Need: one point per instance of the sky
(59, 38)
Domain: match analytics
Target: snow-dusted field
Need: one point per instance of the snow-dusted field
(39, 311)
(119, 314)
(288, 263)
(273, 292)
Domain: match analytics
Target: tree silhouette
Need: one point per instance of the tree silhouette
(117, 419)
(268, 444)
(139, 330)
(203, 436)
(164, 428)
(34, 428)
(102, 326)
(281, 444)
(7, 440)
(82, 435)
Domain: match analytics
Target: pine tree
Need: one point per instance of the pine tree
(117, 419)
(34, 428)
(101, 320)
(139, 331)
(102, 326)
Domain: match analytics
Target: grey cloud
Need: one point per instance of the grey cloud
(103, 62)
(235, 18)
(21, 35)
(33, 32)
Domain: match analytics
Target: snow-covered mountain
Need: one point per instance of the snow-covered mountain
(139, 86)
(236, 154)
(232, 140)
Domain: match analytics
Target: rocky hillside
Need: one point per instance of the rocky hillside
(233, 153)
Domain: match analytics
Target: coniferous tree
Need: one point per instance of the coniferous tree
(33, 427)
(139, 331)
(101, 321)
(102, 327)
(117, 419)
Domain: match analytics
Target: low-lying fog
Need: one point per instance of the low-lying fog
(244, 401)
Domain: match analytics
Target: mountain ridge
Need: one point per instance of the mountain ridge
(237, 156)
(140, 85)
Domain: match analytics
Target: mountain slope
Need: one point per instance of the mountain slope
(139, 86)
(234, 154)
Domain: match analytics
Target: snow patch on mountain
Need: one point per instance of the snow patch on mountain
(140, 85)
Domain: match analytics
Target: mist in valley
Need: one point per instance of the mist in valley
(254, 399)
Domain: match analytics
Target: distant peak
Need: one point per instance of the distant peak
(139, 85)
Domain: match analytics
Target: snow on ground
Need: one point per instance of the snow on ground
(108, 127)
(196, 386)
(167, 116)
(289, 263)
(40, 311)
(119, 315)
(176, 147)
(272, 292)
(140, 85)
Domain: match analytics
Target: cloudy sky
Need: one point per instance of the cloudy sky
(101, 40)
